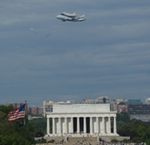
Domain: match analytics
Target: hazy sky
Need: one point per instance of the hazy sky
(44, 58)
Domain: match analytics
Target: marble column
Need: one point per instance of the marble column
(115, 132)
(48, 126)
(97, 124)
(71, 129)
(53, 120)
(103, 126)
(66, 127)
(108, 126)
(60, 127)
(91, 125)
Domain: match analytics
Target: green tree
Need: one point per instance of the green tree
(137, 130)
(11, 133)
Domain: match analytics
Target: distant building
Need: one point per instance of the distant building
(98, 100)
(134, 102)
(35, 111)
(122, 107)
(120, 100)
(47, 107)
(103, 99)
(113, 105)
(80, 119)
(139, 109)
(140, 112)
(142, 117)
(89, 101)
(147, 101)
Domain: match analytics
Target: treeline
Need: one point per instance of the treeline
(20, 132)
(137, 130)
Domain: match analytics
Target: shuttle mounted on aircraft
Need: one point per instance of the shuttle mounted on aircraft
(64, 16)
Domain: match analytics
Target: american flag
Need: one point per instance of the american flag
(17, 114)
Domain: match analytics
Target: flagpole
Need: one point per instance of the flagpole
(26, 112)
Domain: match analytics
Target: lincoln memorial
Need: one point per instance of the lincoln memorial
(81, 120)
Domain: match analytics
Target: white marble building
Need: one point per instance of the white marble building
(81, 120)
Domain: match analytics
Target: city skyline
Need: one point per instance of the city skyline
(43, 58)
